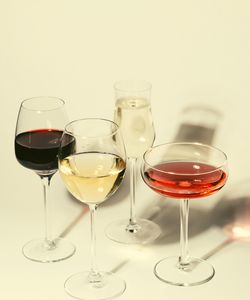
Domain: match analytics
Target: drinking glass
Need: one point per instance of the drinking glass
(133, 115)
(39, 128)
(92, 171)
(184, 171)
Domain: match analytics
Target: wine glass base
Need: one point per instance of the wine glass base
(146, 232)
(197, 272)
(79, 286)
(38, 250)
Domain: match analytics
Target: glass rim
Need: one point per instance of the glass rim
(91, 119)
(60, 101)
(148, 85)
(188, 144)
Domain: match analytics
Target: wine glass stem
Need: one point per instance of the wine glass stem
(46, 187)
(132, 164)
(184, 211)
(94, 273)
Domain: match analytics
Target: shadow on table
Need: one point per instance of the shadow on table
(235, 205)
(198, 124)
(121, 194)
(166, 213)
(232, 215)
(74, 222)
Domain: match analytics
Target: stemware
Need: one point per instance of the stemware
(39, 128)
(184, 171)
(133, 115)
(92, 171)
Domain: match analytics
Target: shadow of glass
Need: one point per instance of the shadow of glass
(198, 124)
(166, 213)
(73, 222)
(197, 133)
(232, 215)
(121, 194)
(234, 207)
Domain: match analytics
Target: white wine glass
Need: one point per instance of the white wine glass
(133, 115)
(92, 171)
(39, 127)
(184, 171)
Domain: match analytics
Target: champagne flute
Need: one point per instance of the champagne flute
(39, 128)
(184, 171)
(133, 115)
(92, 171)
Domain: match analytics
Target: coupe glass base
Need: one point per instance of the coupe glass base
(197, 272)
(146, 232)
(79, 286)
(40, 251)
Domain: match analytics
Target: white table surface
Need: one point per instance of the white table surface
(192, 52)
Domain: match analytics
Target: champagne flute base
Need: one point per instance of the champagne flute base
(40, 251)
(80, 286)
(196, 272)
(145, 232)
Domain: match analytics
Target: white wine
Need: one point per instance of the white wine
(134, 117)
(92, 177)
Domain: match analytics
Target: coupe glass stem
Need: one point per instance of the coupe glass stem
(48, 235)
(132, 226)
(94, 275)
(184, 255)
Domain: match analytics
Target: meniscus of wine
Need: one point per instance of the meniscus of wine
(92, 176)
(134, 117)
(185, 179)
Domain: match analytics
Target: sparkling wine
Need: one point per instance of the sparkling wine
(92, 176)
(134, 117)
(38, 149)
(185, 179)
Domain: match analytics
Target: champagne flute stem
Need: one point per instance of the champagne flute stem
(94, 275)
(132, 220)
(46, 186)
(184, 212)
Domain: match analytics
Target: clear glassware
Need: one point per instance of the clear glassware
(39, 128)
(92, 171)
(184, 171)
(133, 115)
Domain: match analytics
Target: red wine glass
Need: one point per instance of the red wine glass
(39, 128)
(184, 171)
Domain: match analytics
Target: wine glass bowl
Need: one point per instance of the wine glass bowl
(134, 117)
(184, 171)
(39, 128)
(92, 170)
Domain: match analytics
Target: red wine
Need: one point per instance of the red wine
(38, 149)
(185, 179)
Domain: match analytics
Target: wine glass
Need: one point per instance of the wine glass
(39, 128)
(184, 171)
(92, 171)
(133, 115)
